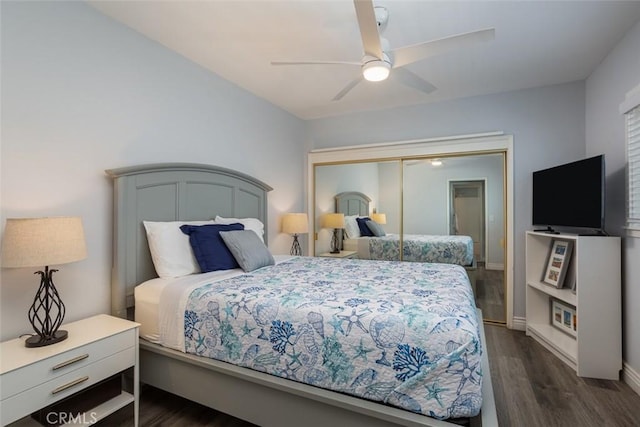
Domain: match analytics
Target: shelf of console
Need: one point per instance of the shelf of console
(562, 294)
(595, 350)
(559, 343)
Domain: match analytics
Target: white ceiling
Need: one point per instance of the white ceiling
(537, 43)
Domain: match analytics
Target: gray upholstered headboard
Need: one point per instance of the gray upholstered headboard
(171, 192)
(352, 203)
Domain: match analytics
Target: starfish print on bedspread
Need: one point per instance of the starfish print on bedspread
(354, 319)
(361, 350)
(246, 330)
(468, 373)
(433, 392)
(236, 306)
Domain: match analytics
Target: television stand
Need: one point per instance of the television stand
(547, 230)
(593, 345)
(595, 233)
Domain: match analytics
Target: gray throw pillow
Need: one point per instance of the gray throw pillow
(375, 228)
(247, 248)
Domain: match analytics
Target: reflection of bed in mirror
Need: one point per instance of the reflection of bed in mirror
(447, 249)
(179, 192)
(415, 248)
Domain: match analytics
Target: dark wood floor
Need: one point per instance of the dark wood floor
(532, 388)
(490, 293)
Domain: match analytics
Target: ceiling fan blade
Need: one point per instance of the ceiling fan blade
(315, 63)
(347, 88)
(410, 79)
(410, 54)
(368, 28)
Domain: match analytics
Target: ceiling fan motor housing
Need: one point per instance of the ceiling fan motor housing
(382, 17)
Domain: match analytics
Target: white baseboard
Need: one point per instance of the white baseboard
(519, 323)
(631, 377)
(494, 266)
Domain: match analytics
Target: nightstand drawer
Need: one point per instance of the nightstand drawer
(29, 376)
(49, 392)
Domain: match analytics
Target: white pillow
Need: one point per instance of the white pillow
(351, 226)
(170, 249)
(253, 224)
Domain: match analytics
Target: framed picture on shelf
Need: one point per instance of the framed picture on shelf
(564, 317)
(558, 262)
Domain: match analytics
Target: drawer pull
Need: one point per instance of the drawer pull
(69, 385)
(70, 362)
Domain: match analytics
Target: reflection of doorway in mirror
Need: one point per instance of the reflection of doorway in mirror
(467, 213)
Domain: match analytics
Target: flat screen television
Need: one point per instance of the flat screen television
(570, 195)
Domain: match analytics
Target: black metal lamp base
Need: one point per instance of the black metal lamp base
(46, 313)
(335, 247)
(295, 247)
(38, 341)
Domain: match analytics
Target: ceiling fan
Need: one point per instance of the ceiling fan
(380, 61)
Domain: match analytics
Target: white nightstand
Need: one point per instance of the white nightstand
(341, 254)
(97, 348)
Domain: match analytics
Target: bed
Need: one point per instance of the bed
(170, 192)
(447, 249)
(415, 248)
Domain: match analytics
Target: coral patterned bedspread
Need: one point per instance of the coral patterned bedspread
(405, 334)
(423, 248)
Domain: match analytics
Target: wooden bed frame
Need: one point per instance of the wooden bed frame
(186, 191)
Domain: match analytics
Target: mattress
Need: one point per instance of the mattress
(416, 247)
(405, 334)
(147, 299)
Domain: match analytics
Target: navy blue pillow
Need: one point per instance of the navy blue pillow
(208, 247)
(362, 225)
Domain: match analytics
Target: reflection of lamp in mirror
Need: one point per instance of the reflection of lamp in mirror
(380, 218)
(295, 223)
(335, 221)
(37, 242)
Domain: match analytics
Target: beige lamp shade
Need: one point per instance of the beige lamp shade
(380, 218)
(334, 220)
(295, 223)
(37, 242)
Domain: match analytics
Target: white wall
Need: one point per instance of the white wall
(390, 195)
(547, 124)
(426, 198)
(605, 133)
(81, 94)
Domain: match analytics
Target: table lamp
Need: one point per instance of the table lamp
(380, 218)
(335, 221)
(37, 242)
(295, 223)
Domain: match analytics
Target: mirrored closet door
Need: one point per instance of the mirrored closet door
(462, 197)
(356, 189)
(410, 198)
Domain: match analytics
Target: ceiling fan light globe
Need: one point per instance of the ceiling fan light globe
(376, 71)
